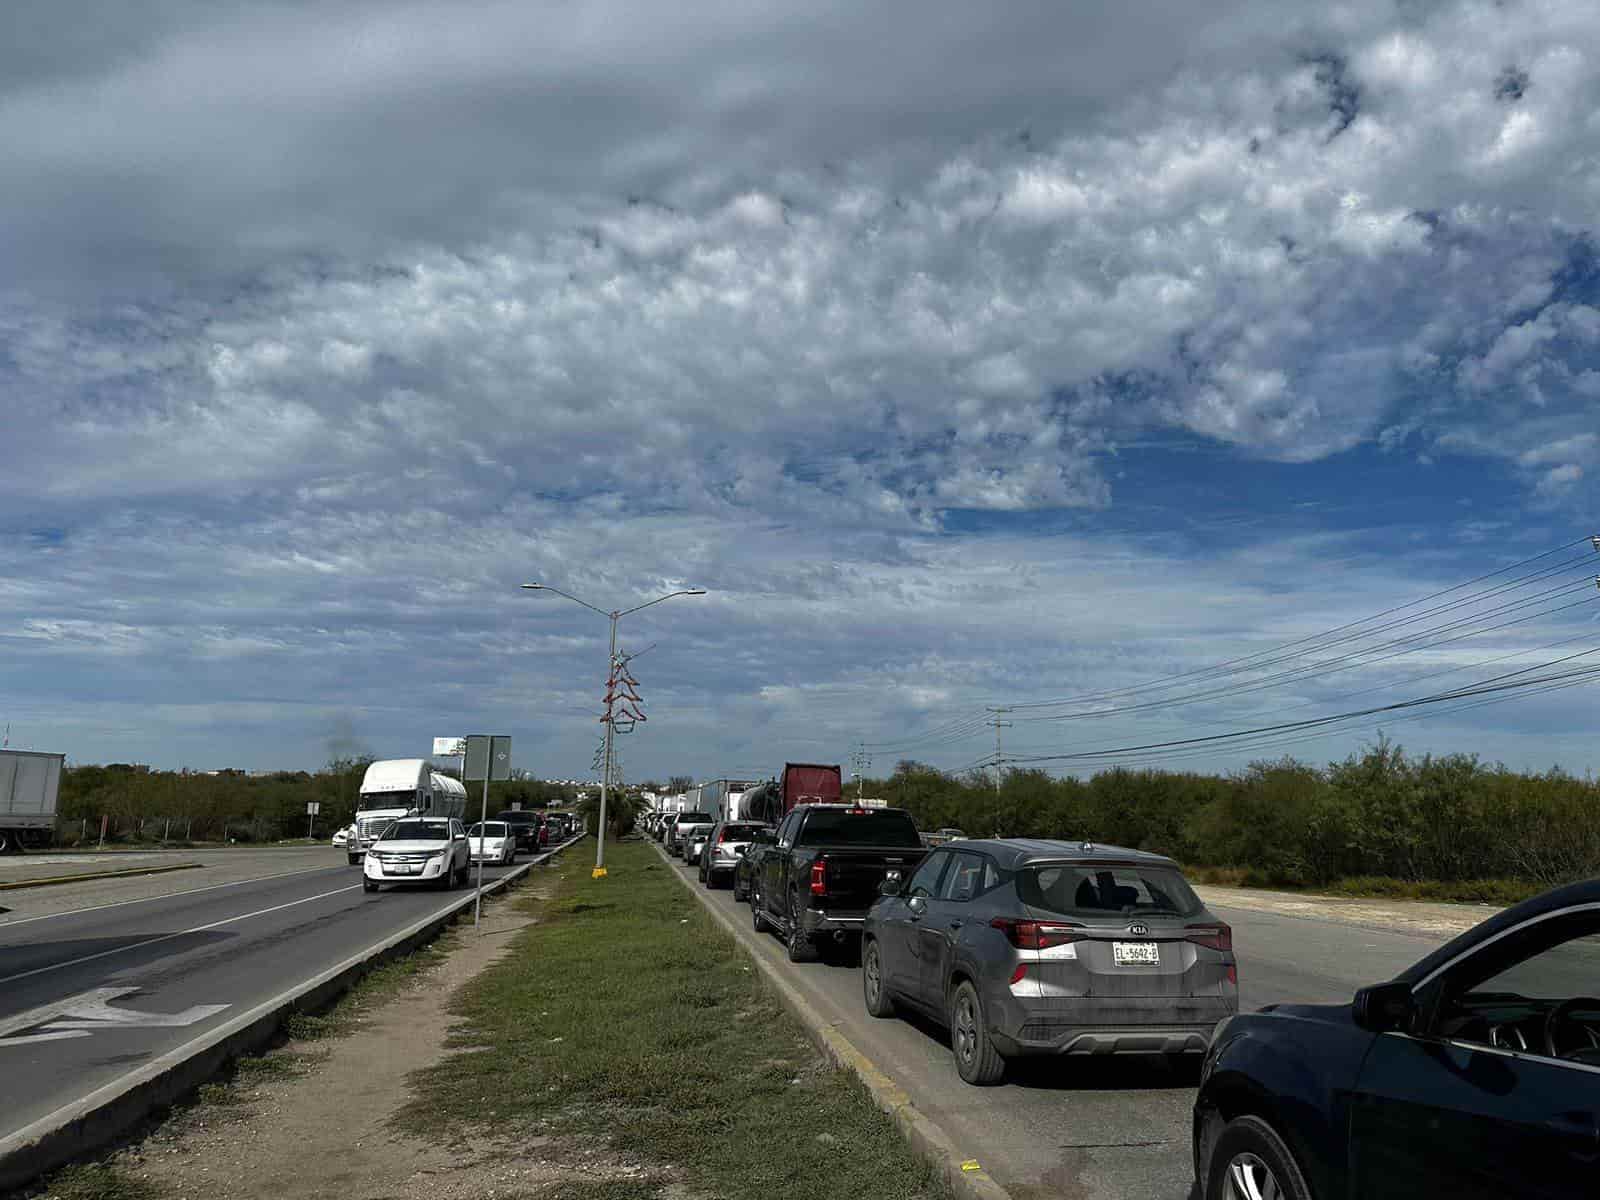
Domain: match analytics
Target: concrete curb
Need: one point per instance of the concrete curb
(52, 880)
(98, 1119)
(926, 1138)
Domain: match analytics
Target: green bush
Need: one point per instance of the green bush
(1446, 827)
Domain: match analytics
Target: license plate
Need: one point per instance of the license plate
(1128, 954)
(412, 869)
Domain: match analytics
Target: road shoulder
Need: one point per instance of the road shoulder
(965, 1177)
(1423, 917)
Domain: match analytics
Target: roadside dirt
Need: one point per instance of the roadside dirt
(326, 1131)
(1425, 917)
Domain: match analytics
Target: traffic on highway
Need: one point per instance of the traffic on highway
(90, 996)
(1079, 1018)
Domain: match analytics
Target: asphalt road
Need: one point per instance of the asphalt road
(1097, 1130)
(86, 996)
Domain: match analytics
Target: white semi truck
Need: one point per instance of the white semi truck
(29, 783)
(400, 787)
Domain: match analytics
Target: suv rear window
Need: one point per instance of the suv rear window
(733, 832)
(695, 819)
(859, 827)
(1091, 890)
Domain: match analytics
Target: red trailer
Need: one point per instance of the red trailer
(811, 783)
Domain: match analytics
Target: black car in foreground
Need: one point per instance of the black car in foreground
(1475, 1074)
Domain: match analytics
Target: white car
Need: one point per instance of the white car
(431, 850)
(341, 836)
(492, 842)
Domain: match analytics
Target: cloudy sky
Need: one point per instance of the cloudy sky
(968, 354)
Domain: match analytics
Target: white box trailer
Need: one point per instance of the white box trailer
(29, 783)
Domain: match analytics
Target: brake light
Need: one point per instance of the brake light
(1018, 975)
(1213, 937)
(1233, 975)
(819, 877)
(722, 836)
(1038, 935)
(855, 812)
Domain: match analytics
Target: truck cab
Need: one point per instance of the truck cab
(392, 788)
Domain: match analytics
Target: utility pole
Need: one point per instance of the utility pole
(998, 759)
(860, 760)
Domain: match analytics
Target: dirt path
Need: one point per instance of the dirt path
(1426, 917)
(324, 1130)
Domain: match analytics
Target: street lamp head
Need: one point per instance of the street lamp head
(695, 592)
(534, 587)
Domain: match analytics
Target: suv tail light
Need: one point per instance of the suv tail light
(819, 877)
(1213, 937)
(1038, 935)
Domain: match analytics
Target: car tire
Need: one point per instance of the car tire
(758, 919)
(737, 894)
(977, 1061)
(355, 859)
(368, 886)
(801, 948)
(1248, 1151)
(873, 991)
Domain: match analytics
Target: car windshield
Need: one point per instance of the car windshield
(370, 800)
(494, 829)
(1093, 889)
(416, 831)
(859, 827)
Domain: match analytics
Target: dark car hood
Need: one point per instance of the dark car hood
(1331, 1014)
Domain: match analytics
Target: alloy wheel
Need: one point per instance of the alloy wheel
(1249, 1178)
(873, 975)
(964, 1029)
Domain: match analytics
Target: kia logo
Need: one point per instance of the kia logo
(1138, 928)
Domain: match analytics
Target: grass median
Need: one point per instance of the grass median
(627, 1018)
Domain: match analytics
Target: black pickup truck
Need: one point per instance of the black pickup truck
(818, 873)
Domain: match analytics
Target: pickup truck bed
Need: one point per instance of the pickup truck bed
(821, 872)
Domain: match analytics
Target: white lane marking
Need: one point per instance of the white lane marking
(83, 1014)
(210, 887)
(44, 1037)
(167, 937)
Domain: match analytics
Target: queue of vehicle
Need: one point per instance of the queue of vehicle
(1025, 947)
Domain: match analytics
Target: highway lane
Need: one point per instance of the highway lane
(1098, 1130)
(86, 996)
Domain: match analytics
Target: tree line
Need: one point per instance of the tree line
(140, 805)
(1381, 813)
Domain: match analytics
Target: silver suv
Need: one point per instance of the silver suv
(1035, 947)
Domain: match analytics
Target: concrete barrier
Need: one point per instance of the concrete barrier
(97, 1120)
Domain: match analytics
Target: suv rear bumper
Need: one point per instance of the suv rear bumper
(1042, 1038)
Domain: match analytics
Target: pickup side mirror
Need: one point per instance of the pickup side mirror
(1383, 1007)
(890, 886)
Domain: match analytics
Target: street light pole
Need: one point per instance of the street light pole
(605, 771)
(605, 775)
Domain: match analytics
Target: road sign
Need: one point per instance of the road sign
(488, 757)
(449, 747)
(313, 807)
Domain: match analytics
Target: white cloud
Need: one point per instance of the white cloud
(739, 300)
